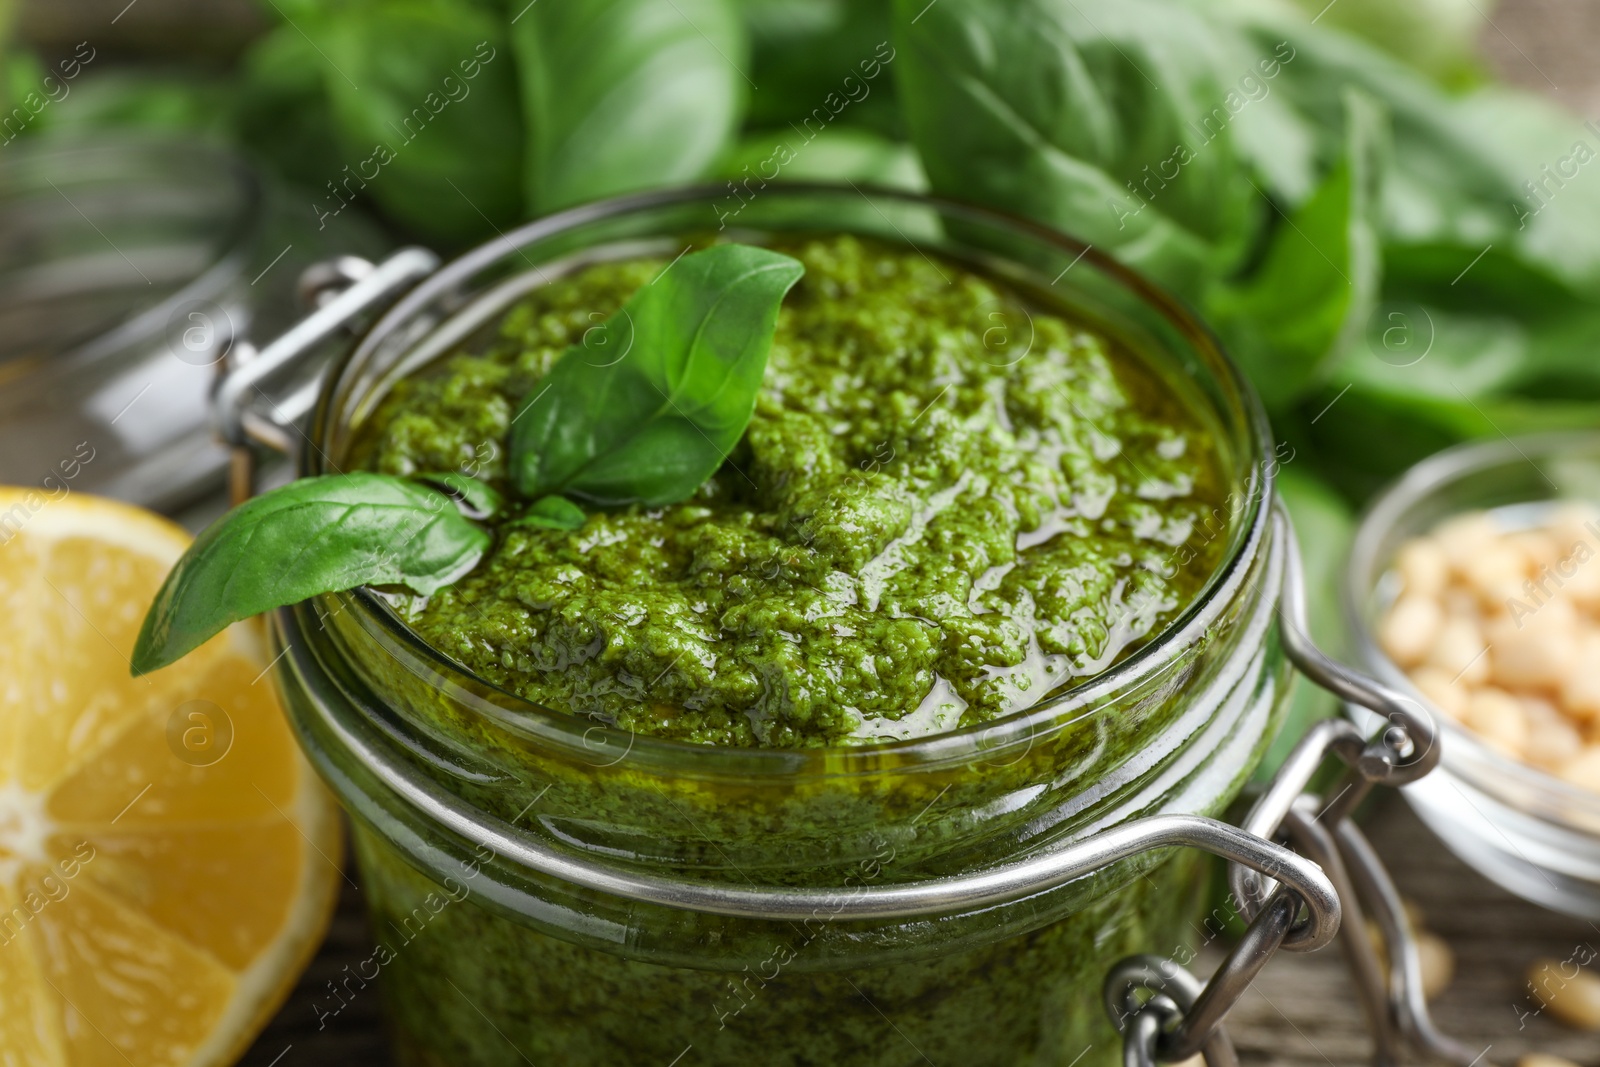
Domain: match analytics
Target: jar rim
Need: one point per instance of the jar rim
(1250, 531)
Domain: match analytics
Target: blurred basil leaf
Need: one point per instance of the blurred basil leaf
(619, 95)
(1444, 185)
(21, 73)
(839, 153)
(1551, 166)
(283, 110)
(424, 102)
(816, 54)
(1310, 298)
(154, 101)
(1438, 37)
(1108, 119)
(1429, 377)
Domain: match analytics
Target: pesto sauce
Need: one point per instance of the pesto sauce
(949, 503)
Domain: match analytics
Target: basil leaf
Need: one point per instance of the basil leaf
(316, 535)
(836, 154)
(1444, 183)
(1317, 285)
(1446, 376)
(423, 96)
(1555, 227)
(1092, 116)
(619, 95)
(810, 54)
(552, 513)
(282, 111)
(481, 498)
(1437, 37)
(656, 417)
(137, 99)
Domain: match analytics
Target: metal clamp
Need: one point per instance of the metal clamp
(243, 412)
(1180, 1018)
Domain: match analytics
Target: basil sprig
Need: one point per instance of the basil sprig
(647, 424)
(313, 536)
(650, 420)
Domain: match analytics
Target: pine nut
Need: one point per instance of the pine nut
(1459, 651)
(1580, 693)
(1552, 740)
(1538, 548)
(1542, 1059)
(1538, 653)
(1463, 537)
(1422, 567)
(1438, 963)
(1584, 768)
(1498, 718)
(1573, 1001)
(1410, 629)
(1444, 694)
(1496, 574)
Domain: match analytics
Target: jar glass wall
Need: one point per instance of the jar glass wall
(466, 935)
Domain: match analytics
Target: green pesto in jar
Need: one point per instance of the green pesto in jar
(950, 502)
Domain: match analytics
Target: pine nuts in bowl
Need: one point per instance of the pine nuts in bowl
(1497, 622)
(1474, 588)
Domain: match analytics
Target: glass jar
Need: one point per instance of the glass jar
(132, 270)
(486, 959)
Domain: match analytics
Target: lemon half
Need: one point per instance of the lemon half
(167, 857)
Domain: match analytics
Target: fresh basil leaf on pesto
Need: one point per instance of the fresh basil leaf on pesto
(650, 416)
(316, 535)
(482, 500)
(551, 513)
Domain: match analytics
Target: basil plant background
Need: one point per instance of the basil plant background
(1401, 253)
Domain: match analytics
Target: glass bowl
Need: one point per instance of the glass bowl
(1523, 828)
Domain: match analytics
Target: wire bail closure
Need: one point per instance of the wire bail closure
(1300, 871)
(342, 290)
(1181, 1018)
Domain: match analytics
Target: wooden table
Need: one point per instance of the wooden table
(1301, 1013)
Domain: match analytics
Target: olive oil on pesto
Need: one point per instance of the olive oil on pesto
(949, 503)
